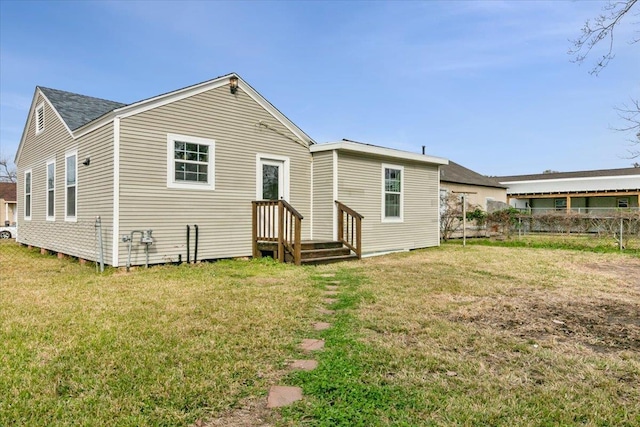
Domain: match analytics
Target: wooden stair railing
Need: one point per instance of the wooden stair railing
(350, 228)
(277, 221)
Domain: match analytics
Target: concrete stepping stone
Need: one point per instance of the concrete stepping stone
(331, 293)
(331, 288)
(321, 326)
(328, 275)
(326, 311)
(283, 396)
(329, 300)
(305, 365)
(311, 344)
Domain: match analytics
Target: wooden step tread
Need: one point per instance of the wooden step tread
(329, 259)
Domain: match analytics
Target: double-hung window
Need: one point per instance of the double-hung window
(392, 185)
(51, 190)
(27, 194)
(71, 186)
(39, 117)
(190, 162)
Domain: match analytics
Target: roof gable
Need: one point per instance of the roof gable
(77, 110)
(455, 173)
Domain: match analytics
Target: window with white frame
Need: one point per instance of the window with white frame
(39, 118)
(51, 190)
(392, 209)
(27, 194)
(71, 186)
(190, 162)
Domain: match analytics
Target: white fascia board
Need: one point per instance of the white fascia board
(585, 178)
(379, 151)
(168, 98)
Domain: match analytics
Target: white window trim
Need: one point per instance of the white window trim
(67, 217)
(47, 189)
(383, 218)
(286, 173)
(39, 108)
(171, 164)
(24, 194)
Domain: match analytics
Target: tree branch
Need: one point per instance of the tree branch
(601, 28)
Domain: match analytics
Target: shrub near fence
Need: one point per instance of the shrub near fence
(621, 228)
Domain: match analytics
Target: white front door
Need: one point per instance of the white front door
(272, 177)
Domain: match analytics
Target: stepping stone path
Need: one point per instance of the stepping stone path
(311, 345)
(282, 396)
(285, 395)
(321, 326)
(305, 365)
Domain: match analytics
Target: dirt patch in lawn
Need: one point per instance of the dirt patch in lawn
(604, 325)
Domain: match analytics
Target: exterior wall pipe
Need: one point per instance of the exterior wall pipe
(195, 251)
(188, 243)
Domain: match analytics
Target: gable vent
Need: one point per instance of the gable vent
(40, 118)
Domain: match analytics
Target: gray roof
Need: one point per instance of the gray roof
(77, 110)
(577, 174)
(455, 173)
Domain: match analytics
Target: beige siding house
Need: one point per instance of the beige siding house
(480, 191)
(8, 204)
(95, 176)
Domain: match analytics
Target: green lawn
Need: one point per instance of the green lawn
(443, 336)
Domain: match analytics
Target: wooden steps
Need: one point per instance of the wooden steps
(313, 251)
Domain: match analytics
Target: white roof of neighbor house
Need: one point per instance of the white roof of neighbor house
(360, 147)
(627, 179)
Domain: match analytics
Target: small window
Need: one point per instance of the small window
(561, 204)
(190, 162)
(71, 187)
(623, 202)
(51, 190)
(27, 195)
(392, 193)
(39, 118)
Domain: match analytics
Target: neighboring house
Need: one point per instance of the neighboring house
(200, 156)
(479, 190)
(595, 191)
(8, 204)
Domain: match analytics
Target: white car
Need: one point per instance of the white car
(8, 232)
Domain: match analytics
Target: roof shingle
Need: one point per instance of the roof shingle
(77, 110)
(453, 172)
(8, 191)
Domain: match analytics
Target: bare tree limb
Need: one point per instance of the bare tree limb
(7, 171)
(600, 29)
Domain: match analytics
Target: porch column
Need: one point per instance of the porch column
(568, 204)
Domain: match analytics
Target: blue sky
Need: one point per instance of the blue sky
(486, 84)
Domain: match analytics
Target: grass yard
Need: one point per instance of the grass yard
(444, 336)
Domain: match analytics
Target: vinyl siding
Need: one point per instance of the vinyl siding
(323, 203)
(360, 187)
(94, 184)
(223, 215)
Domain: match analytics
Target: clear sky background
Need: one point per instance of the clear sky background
(486, 84)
